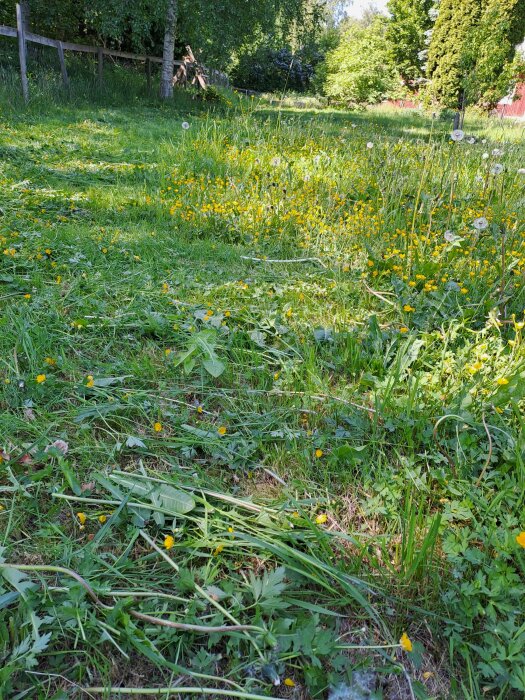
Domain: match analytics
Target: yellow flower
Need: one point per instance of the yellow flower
(276, 375)
(102, 519)
(90, 381)
(464, 290)
(157, 427)
(520, 539)
(289, 313)
(403, 329)
(475, 367)
(81, 518)
(408, 308)
(230, 529)
(321, 518)
(501, 381)
(227, 314)
(40, 378)
(50, 361)
(519, 325)
(319, 453)
(218, 550)
(199, 409)
(222, 430)
(27, 296)
(289, 682)
(169, 541)
(405, 642)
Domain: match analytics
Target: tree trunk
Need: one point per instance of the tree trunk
(166, 76)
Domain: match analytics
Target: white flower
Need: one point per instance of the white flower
(307, 178)
(353, 125)
(457, 135)
(60, 445)
(485, 156)
(497, 152)
(471, 139)
(450, 236)
(370, 144)
(317, 159)
(185, 125)
(275, 161)
(521, 171)
(483, 140)
(480, 223)
(496, 169)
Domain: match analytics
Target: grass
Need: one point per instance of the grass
(242, 477)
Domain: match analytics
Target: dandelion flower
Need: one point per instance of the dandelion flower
(169, 541)
(502, 381)
(40, 378)
(403, 329)
(218, 550)
(457, 135)
(289, 682)
(480, 224)
(222, 430)
(409, 309)
(185, 125)
(405, 642)
(319, 453)
(90, 381)
(520, 539)
(102, 519)
(321, 518)
(81, 518)
(157, 427)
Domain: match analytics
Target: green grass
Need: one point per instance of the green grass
(326, 441)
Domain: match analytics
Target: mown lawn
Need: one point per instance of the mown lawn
(284, 465)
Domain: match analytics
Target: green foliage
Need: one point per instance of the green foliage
(449, 57)
(369, 476)
(409, 20)
(358, 70)
(472, 50)
(497, 67)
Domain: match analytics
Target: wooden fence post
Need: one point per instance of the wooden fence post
(100, 64)
(22, 50)
(63, 69)
(148, 74)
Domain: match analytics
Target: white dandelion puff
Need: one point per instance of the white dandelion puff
(457, 135)
(480, 224)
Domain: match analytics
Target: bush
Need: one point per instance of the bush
(267, 70)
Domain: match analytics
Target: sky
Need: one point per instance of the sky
(357, 7)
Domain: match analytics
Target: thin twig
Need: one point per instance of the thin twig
(378, 295)
(291, 260)
(178, 690)
(315, 397)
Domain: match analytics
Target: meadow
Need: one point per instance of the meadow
(262, 385)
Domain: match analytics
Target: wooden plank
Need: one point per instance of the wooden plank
(82, 48)
(37, 39)
(22, 51)
(100, 65)
(7, 31)
(63, 69)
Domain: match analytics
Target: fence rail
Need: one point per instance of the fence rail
(21, 33)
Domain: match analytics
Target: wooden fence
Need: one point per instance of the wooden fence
(24, 36)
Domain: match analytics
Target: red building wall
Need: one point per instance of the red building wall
(515, 108)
